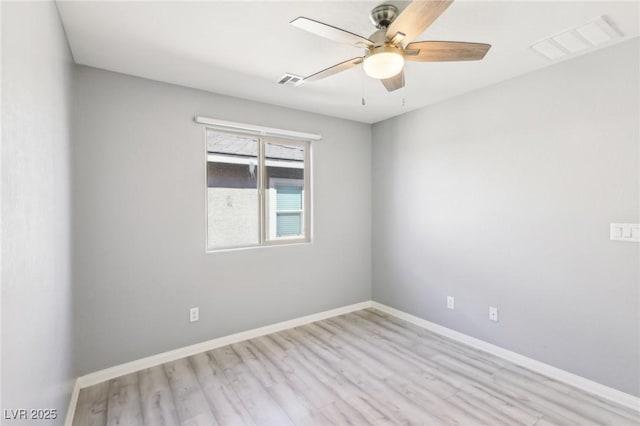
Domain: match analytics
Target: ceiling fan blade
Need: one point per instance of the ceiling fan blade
(440, 51)
(394, 83)
(416, 17)
(330, 32)
(342, 66)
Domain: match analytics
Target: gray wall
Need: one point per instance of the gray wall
(499, 197)
(504, 197)
(36, 278)
(139, 223)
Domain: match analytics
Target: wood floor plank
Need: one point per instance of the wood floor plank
(403, 362)
(158, 407)
(191, 404)
(436, 358)
(487, 414)
(428, 344)
(426, 339)
(401, 365)
(511, 405)
(612, 414)
(287, 368)
(297, 408)
(325, 341)
(226, 405)
(467, 369)
(424, 397)
(350, 388)
(365, 367)
(263, 408)
(316, 385)
(399, 406)
(341, 413)
(556, 408)
(259, 365)
(371, 411)
(290, 397)
(543, 422)
(124, 401)
(91, 408)
(333, 379)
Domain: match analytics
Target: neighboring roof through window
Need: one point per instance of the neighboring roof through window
(218, 143)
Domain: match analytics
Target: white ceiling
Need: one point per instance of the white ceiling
(241, 48)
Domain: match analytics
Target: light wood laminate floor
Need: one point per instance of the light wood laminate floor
(365, 367)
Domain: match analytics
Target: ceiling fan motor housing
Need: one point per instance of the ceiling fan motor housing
(383, 15)
(379, 38)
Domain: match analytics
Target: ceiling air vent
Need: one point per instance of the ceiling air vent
(291, 80)
(577, 40)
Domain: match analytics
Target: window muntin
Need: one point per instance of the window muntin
(257, 191)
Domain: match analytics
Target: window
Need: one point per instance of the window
(257, 191)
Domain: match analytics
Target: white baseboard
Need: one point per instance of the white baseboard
(579, 382)
(151, 361)
(72, 403)
(574, 380)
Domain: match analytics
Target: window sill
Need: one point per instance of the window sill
(268, 245)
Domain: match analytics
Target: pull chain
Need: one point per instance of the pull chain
(364, 101)
(404, 100)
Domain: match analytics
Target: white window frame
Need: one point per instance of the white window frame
(265, 237)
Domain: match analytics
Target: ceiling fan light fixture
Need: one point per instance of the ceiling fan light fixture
(383, 62)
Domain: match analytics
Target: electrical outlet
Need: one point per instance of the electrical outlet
(493, 313)
(451, 302)
(194, 314)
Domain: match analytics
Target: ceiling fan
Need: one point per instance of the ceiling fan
(391, 45)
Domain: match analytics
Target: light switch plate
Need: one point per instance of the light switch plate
(629, 232)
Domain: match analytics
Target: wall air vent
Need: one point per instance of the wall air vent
(577, 40)
(291, 80)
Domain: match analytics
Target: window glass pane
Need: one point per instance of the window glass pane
(285, 165)
(288, 197)
(232, 189)
(288, 224)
